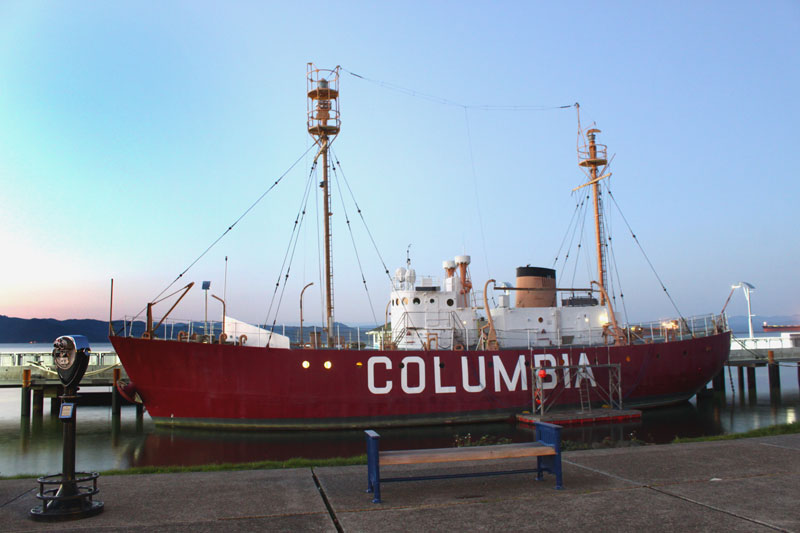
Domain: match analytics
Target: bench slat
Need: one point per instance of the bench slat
(471, 453)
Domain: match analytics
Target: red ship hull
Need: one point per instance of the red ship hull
(212, 385)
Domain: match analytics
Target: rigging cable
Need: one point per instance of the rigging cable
(230, 227)
(353, 240)
(582, 227)
(566, 234)
(444, 101)
(619, 280)
(645, 256)
(575, 224)
(613, 268)
(289, 254)
(477, 196)
(375, 246)
(361, 214)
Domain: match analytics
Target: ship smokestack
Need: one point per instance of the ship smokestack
(449, 268)
(543, 279)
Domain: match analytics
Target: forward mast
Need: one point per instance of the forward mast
(324, 123)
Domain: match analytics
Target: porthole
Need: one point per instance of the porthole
(416, 301)
(405, 301)
(433, 300)
(541, 320)
(441, 365)
(450, 302)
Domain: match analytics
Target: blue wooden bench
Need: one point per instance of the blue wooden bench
(546, 449)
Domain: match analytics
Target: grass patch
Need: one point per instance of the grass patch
(780, 429)
(297, 462)
(486, 440)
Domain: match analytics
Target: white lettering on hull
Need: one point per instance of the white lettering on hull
(481, 375)
(382, 360)
(413, 370)
(585, 372)
(549, 381)
(417, 360)
(567, 376)
(437, 378)
(520, 374)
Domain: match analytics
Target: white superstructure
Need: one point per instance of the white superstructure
(429, 314)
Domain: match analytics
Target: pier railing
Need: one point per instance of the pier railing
(676, 328)
(766, 343)
(639, 333)
(19, 358)
(43, 370)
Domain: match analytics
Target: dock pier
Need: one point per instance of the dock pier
(36, 378)
(768, 352)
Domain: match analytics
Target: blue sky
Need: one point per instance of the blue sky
(132, 134)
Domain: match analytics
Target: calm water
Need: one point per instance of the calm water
(34, 446)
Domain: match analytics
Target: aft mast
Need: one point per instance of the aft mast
(592, 157)
(323, 125)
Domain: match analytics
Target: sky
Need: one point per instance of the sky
(134, 134)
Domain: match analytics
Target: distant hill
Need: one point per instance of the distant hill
(49, 329)
(20, 330)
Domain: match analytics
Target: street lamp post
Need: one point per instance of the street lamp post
(206, 286)
(747, 287)
(302, 340)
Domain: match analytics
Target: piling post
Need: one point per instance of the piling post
(115, 400)
(751, 383)
(740, 375)
(139, 417)
(719, 383)
(774, 378)
(38, 402)
(25, 399)
(54, 406)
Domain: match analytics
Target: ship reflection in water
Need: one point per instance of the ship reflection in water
(164, 447)
(171, 447)
(34, 446)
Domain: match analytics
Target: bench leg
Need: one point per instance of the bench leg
(550, 464)
(373, 470)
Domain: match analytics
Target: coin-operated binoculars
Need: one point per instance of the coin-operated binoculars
(71, 497)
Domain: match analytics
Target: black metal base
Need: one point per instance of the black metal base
(69, 501)
(90, 508)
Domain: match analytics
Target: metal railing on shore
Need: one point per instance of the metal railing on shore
(20, 358)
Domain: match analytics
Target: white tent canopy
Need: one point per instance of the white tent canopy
(255, 336)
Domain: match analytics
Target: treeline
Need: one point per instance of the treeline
(20, 330)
